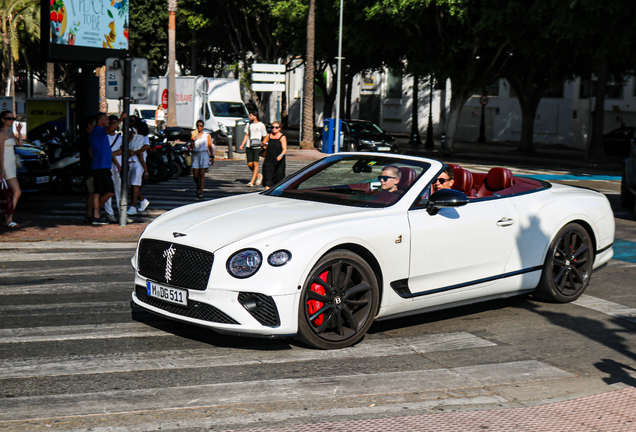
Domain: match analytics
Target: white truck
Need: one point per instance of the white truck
(216, 101)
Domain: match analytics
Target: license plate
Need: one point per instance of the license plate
(169, 294)
(384, 148)
(44, 179)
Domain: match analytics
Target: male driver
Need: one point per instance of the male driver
(102, 161)
(390, 178)
(445, 180)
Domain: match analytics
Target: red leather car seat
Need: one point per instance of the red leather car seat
(497, 179)
(407, 178)
(463, 182)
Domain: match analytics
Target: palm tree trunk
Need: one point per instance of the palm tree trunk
(307, 140)
(172, 82)
(50, 79)
(103, 102)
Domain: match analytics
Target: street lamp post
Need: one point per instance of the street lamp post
(482, 124)
(430, 144)
(336, 145)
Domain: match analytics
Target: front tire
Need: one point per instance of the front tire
(568, 266)
(338, 301)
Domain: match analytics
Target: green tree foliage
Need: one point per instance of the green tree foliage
(148, 34)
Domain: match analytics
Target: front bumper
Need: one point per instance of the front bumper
(225, 311)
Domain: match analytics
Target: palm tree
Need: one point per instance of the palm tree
(17, 18)
(307, 140)
(172, 82)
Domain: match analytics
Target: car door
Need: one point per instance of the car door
(461, 248)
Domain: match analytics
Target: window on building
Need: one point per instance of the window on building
(394, 85)
(612, 90)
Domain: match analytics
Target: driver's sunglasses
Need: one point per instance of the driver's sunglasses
(442, 180)
(385, 178)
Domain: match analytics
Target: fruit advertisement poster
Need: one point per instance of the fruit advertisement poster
(89, 23)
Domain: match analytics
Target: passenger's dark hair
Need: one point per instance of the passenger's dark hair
(142, 128)
(449, 171)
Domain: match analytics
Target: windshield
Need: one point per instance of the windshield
(147, 114)
(228, 109)
(363, 127)
(351, 180)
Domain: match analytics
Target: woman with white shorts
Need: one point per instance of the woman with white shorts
(8, 141)
(202, 156)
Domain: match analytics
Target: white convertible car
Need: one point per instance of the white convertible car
(327, 251)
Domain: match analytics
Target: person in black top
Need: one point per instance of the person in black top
(84, 147)
(274, 164)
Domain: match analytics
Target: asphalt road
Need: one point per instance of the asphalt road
(74, 356)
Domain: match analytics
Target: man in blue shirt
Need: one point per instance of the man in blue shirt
(102, 160)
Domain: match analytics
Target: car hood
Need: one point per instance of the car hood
(217, 223)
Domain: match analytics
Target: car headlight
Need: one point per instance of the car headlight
(222, 127)
(279, 258)
(244, 263)
(366, 142)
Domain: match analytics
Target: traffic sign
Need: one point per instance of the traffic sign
(271, 78)
(114, 78)
(483, 100)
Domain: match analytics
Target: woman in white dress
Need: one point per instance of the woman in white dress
(7, 160)
(202, 156)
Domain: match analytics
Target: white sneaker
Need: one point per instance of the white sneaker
(111, 217)
(144, 204)
(131, 210)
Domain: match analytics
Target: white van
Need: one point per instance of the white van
(216, 101)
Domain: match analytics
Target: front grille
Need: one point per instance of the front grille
(195, 309)
(265, 312)
(175, 264)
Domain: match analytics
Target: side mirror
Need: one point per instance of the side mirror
(445, 198)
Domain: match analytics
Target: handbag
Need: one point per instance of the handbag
(263, 152)
(6, 198)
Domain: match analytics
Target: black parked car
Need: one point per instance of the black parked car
(33, 168)
(618, 141)
(362, 135)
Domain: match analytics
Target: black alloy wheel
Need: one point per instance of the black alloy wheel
(338, 302)
(568, 266)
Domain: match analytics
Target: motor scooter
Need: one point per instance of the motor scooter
(66, 171)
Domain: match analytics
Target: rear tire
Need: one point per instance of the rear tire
(175, 169)
(568, 266)
(338, 302)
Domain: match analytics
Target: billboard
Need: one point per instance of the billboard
(84, 31)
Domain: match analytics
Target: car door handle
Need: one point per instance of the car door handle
(505, 221)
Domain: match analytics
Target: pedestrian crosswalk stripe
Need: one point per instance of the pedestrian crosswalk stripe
(65, 271)
(220, 357)
(39, 287)
(606, 307)
(278, 391)
(21, 256)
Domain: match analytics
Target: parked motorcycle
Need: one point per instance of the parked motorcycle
(66, 172)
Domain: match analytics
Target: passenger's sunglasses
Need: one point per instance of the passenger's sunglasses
(442, 180)
(385, 178)
(9, 118)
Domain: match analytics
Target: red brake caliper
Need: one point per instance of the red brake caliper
(315, 305)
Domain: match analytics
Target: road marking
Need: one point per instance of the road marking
(81, 332)
(283, 390)
(582, 177)
(41, 287)
(606, 307)
(223, 357)
(65, 271)
(65, 308)
(28, 256)
(62, 245)
(624, 250)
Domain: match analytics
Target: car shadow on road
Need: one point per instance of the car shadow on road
(610, 335)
